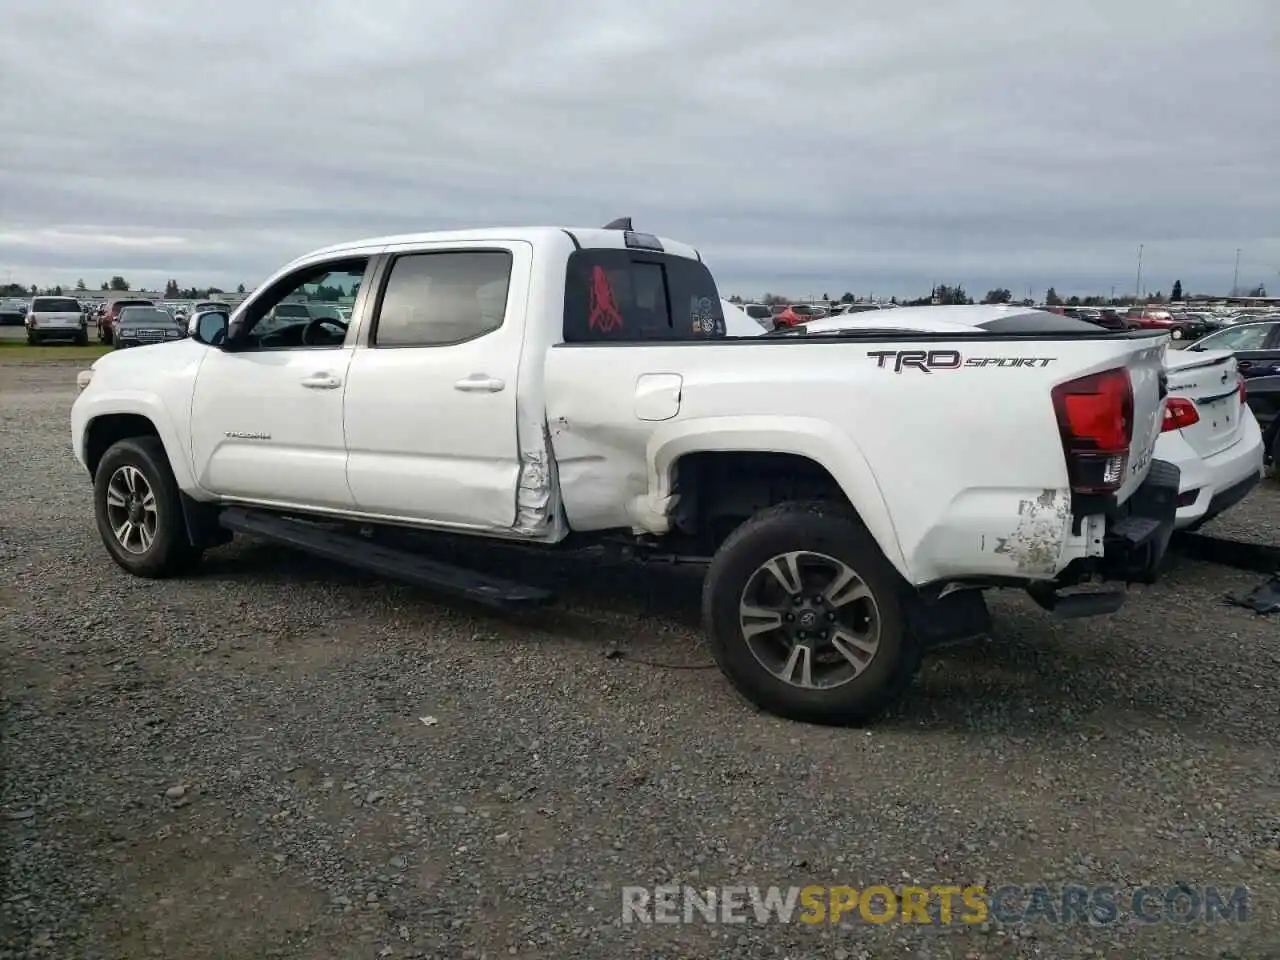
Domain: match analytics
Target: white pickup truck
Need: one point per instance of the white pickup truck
(852, 497)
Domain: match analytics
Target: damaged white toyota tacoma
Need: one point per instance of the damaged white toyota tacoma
(557, 387)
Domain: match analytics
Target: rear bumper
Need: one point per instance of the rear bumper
(1211, 485)
(1138, 535)
(56, 333)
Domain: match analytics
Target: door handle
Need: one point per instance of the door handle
(479, 383)
(321, 381)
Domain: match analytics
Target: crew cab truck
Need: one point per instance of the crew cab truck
(554, 387)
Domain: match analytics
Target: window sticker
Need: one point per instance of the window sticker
(702, 316)
(604, 315)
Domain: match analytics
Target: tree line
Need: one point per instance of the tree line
(953, 295)
(117, 284)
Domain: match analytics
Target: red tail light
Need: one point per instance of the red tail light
(1179, 412)
(1243, 391)
(1095, 418)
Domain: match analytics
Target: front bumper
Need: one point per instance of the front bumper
(124, 339)
(1138, 534)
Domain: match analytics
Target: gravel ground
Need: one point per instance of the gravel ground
(280, 758)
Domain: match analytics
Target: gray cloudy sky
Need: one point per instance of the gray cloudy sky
(806, 146)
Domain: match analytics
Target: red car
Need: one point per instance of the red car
(107, 319)
(1157, 318)
(797, 313)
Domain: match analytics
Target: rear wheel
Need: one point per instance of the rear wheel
(805, 616)
(82, 338)
(33, 339)
(104, 335)
(139, 511)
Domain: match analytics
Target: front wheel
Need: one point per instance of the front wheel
(805, 616)
(1177, 334)
(139, 510)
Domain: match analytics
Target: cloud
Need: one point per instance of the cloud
(805, 146)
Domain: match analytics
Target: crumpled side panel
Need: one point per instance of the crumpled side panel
(537, 506)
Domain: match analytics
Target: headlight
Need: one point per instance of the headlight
(83, 378)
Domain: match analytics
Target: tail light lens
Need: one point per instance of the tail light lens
(1095, 419)
(1179, 412)
(1243, 391)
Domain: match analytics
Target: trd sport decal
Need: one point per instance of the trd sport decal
(927, 361)
(604, 315)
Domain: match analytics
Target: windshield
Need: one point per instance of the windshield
(292, 311)
(326, 311)
(144, 315)
(55, 305)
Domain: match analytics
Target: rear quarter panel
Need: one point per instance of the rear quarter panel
(956, 472)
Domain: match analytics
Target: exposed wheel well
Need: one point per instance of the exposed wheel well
(718, 490)
(108, 430)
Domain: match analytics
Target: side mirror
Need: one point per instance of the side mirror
(209, 327)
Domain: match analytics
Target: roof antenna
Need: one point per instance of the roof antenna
(622, 223)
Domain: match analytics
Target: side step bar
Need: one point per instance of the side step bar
(1069, 606)
(390, 562)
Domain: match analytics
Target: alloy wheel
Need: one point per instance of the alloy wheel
(810, 620)
(131, 509)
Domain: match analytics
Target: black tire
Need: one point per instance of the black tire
(33, 339)
(82, 339)
(170, 551)
(1275, 451)
(825, 528)
(104, 336)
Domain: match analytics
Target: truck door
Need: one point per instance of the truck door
(430, 407)
(266, 415)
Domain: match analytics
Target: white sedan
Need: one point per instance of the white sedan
(1210, 433)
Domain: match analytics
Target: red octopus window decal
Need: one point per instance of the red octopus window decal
(604, 315)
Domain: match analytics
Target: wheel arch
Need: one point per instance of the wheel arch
(740, 461)
(103, 432)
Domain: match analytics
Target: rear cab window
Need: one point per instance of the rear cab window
(639, 295)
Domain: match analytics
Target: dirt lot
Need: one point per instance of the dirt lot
(237, 765)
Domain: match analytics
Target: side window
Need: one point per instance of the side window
(437, 299)
(296, 311)
(625, 295)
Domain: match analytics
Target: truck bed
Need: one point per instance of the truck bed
(969, 473)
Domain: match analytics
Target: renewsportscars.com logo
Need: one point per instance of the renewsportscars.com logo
(935, 905)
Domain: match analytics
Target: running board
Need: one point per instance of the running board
(1070, 606)
(390, 562)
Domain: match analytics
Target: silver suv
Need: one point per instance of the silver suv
(56, 318)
